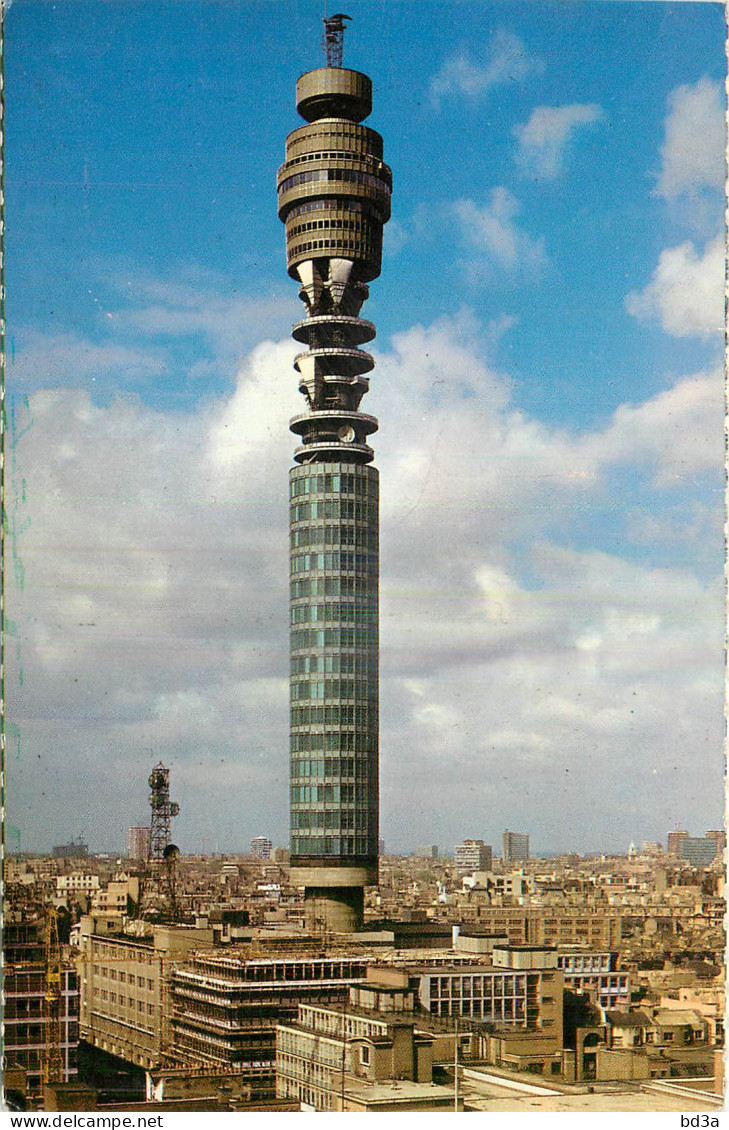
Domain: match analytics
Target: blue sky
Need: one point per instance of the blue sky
(549, 366)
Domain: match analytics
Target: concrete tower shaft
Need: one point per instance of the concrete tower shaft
(334, 197)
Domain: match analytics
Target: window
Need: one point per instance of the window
(364, 1055)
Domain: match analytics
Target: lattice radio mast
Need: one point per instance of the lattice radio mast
(333, 38)
(158, 888)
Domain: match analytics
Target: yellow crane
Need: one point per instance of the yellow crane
(52, 1050)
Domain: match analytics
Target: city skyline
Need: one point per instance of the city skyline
(548, 381)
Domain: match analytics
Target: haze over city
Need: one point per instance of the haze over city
(548, 384)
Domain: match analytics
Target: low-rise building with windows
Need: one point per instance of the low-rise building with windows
(597, 975)
(126, 1004)
(372, 1054)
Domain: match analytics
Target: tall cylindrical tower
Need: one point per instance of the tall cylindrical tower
(334, 197)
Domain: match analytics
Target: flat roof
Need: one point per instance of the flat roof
(403, 1090)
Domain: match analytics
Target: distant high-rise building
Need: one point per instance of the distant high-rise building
(697, 850)
(74, 850)
(334, 198)
(427, 851)
(719, 838)
(261, 847)
(516, 847)
(673, 840)
(473, 855)
(138, 842)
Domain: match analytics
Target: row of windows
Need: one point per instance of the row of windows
(323, 794)
(334, 586)
(315, 823)
(358, 562)
(334, 715)
(333, 508)
(333, 689)
(119, 974)
(584, 962)
(335, 1023)
(346, 664)
(362, 248)
(351, 176)
(352, 742)
(122, 1000)
(338, 129)
(344, 483)
(360, 536)
(327, 766)
(361, 612)
(16, 1035)
(124, 1003)
(339, 204)
(348, 818)
(336, 155)
(33, 981)
(329, 845)
(304, 638)
(509, 985)
(332, 224)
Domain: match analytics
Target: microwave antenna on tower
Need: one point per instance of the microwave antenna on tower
(333, 39)
(158, 896)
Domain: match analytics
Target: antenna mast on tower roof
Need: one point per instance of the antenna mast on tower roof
(333, 39)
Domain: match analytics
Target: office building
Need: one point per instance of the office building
(226, 1006)
(78, 882)
(596, 975)
(698, 850)
(370, 1055)
(74, 850)
(334, 197)
(261, 847)
(516, 848)
(519, 987)
(473, 855)
(126, 1001)
(543, 926)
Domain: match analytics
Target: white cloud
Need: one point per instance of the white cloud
(44, 360)
(544, 138)
(693, 152)
(507, 60)
(229, 322)
(686, 292)
(151, 611)
(492, 231)
(679, 433)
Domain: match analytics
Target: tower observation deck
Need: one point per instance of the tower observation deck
(334, 198)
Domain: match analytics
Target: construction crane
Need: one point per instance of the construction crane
(52, 1051)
